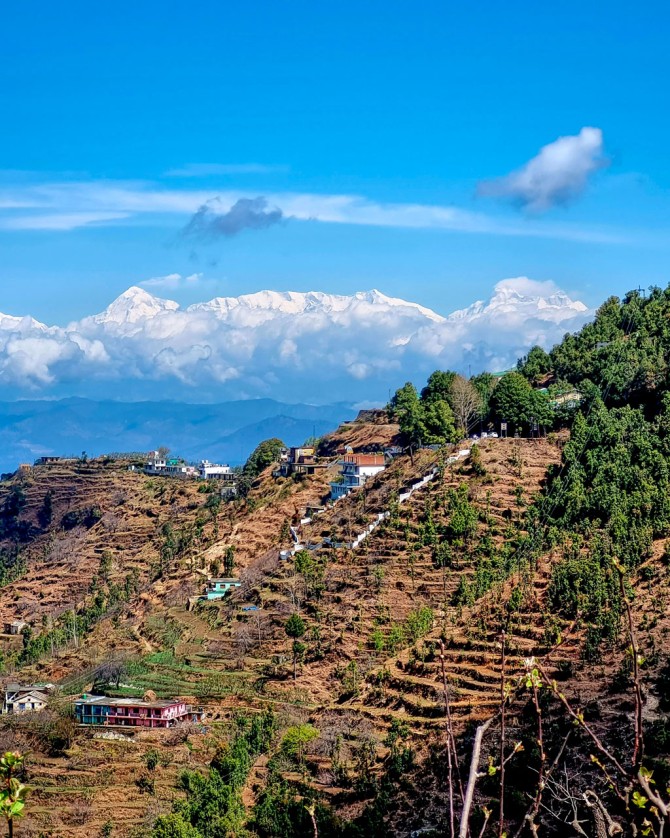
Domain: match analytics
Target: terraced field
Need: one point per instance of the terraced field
(375, 618)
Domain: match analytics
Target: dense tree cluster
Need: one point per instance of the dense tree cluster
(432, 417)
(450, 406)
(263, 455)
(521, 406)
(213, 806)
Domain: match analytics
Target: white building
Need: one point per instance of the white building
(172, 467)
(155, 464)
(25, 699)
(355, 470)
(176, 467)
(214, 471)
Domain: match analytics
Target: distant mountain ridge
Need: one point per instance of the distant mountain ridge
(226, 432)
(288, 345)
(555, 307)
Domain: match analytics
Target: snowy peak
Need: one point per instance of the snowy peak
(10, 323)
(375, 297)
(524, 298)
(355, 346)
(134, 306)
(281, 302)
(296, 302)
(519, 297)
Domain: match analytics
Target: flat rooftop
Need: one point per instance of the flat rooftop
(14, 687)
(127, 702)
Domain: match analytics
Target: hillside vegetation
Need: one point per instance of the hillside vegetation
(491, 658)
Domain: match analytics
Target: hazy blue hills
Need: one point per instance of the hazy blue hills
(225, 432)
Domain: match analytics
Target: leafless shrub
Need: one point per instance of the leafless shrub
(64, 548)
(80, 813)
(110, 522)
(181, 734)
(177, 596)
(244, 640)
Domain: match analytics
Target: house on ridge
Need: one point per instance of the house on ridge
(355, 470)
(27, 698)
(299, 460)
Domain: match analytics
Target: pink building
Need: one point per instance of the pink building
(133, 712)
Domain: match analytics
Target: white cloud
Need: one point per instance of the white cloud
(172, 281)
(528, 287)
(213, 169)
(287, 345)
(60, 221)
(85, 202)
(557, 175)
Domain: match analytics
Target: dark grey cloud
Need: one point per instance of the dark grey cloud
(245, 214)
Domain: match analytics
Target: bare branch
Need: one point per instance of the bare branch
(501, 810)
(579, 718)
(638, 750)
(473, 776)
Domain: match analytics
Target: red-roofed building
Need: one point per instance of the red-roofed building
(355, 469)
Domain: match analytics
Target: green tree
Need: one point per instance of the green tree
(13, 792)
(106, 565)
(510, 399)
(151, 759)
(462, 514)
(419, 622)
(312, 572)
(304, 563)
(229, 561)
(535, 365)
(515, 401)
(295, 741)
(295, 628)
(45, 515)
(406, 409)
(484, 383)
(174, 826)
(265, 453)
(438, 423)
(14, 502)
(213, 504)
(438, 386)
(213, 805)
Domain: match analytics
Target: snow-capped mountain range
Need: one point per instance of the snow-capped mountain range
(297, 346)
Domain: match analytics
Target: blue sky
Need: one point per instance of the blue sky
(119, 121)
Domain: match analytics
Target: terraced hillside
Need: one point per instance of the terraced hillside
(219, 652)
(447, 567)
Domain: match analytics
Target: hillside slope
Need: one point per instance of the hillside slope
(460, 554)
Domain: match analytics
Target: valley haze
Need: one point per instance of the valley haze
(225, 432)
